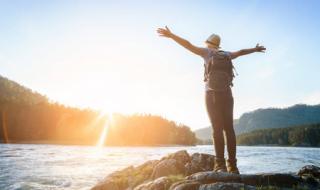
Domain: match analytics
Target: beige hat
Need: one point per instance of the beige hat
(213, 40)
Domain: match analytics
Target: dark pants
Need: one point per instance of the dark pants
(220, 110)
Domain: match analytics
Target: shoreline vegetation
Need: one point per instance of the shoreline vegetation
(296, 136)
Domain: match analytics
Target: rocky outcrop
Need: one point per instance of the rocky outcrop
(181, 171)
(199, 162)
(310, 170)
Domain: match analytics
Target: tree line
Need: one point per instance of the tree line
(304, 135)
(27, 116)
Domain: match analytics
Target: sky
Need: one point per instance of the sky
(106, 55)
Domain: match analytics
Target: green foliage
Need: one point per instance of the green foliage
(27, 116)
(305, 135)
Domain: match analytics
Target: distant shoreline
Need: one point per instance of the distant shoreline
(91, 145)
(274, 145)
(75, 144)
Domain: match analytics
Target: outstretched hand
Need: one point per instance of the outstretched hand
(164, 32)
(260, 48)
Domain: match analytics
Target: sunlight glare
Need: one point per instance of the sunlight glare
(103, 135)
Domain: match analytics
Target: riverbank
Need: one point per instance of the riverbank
(181, 171)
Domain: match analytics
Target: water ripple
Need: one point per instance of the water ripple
(58, 167)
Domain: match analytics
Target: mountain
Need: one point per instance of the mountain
(299, 114)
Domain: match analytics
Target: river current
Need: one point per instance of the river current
(52, 167)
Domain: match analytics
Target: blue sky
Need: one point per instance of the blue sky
(106, 54)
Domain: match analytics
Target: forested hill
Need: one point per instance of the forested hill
(299, 114)
(27, 116)
(13, 92)
(305, 135)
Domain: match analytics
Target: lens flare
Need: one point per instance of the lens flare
(103, 136)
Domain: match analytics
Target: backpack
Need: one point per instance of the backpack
(218, 71)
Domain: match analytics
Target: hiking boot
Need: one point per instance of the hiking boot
(220, 165)
(232, 166)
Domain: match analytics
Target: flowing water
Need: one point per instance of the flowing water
(29, 166)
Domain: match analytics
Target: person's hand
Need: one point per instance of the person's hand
(164, 32)
(260, 48)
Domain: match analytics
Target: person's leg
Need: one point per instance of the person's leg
(228, 126)
(216, 120)
(213, 105)
(230, 134)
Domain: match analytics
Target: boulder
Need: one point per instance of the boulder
(107, 185)
(212, 177)
(185, 185)
(226, 186)
(251, 179)
(312, 170)
(199, 162)
(162, 183)
(280, 180)
(167, 167)
(181, 156)
(127, 178)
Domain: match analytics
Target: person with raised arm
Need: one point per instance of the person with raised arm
(218, 76)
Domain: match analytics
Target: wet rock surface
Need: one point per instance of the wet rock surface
(312, 170)
(181, 171)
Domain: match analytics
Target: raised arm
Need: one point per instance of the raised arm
(242, 52)
(165, 32)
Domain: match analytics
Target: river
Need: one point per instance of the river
(52, 167)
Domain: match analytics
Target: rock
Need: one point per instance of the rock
(251, 179)
(310, 174)
(280, 180)
(167, 167)
(226, 186)
(169, 173)
(312, 170)
(199, 163)
(185, 185)
(127, 178)
(107, 185)
(162, 183)
(181, 156)
(212, 177)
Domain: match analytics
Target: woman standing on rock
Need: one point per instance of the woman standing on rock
(218, 97)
